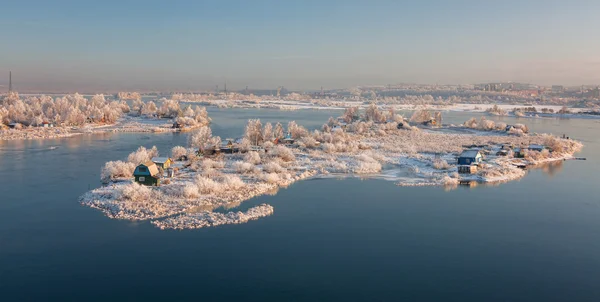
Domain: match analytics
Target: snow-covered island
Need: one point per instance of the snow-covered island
(39, 117)
(194, 185)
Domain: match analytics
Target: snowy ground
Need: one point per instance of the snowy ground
(409, 157)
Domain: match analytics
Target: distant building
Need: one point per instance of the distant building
(558, 88)
(595, 93)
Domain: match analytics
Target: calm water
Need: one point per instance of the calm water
(354, 240)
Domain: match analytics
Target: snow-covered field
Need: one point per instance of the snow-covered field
(370, 145)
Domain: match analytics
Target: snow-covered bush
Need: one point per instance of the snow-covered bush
(212, 164)
(116, 169)
(283, 152)
(272, 167)
(178, 152)
(271, 178)
(440, 164)
(496, 110)
(208, 186)
(367, 164)
(309, 142)
(136, 192)
(243, 167)
(190, 190)
(233, 182)
(252, 157)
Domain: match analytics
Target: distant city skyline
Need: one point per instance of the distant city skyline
(68, 45)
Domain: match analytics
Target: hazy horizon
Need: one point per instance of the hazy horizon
(191, 46)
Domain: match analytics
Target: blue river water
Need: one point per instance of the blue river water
(536, 239)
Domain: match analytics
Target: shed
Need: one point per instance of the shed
(538, 148)
(520, 152)
(470, 157)
(147, 174)
(163, 162)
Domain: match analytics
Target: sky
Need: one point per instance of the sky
(178, 45)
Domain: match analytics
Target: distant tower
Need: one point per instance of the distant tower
(279, 91)
(217, 91)
(322, 91)
(246, 89)
(10, 81)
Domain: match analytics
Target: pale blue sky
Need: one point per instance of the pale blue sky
(181, 45)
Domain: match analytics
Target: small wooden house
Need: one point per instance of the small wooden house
(163, 162)
(470, 157)
(147, 174)
(288, 140)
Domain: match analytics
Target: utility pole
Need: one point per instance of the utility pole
(225, 88)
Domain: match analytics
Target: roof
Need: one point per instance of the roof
(160, 160)
(470, 153)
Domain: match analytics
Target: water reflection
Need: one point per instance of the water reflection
(551, 168)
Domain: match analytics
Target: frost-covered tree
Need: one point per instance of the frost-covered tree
(373, 114)
(421, 116)
(142, 155)
(116, 169)
(254, 132)
(267, 132)
(296, 131)
(149, 109)
(350, 115)
(278, 132)
(200, 138)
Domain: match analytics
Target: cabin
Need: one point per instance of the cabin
(288, 140)
(470, 157)
(46, 125)
(177, 125)
(229, 147)
(163, 162)
(13, 125)
(147, 174)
